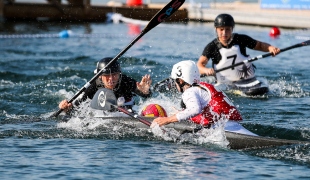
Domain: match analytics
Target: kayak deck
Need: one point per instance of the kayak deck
(253, 87)
(237, 136)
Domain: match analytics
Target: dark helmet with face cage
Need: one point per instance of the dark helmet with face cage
(113, 67)
(224, 20)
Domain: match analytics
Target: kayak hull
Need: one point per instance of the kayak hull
(243, 141)
(253, 87)
(237, 136)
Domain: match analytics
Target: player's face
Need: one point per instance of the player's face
(110, 81)
(224, 33)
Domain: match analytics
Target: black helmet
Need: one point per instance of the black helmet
(224, 20)
(113, 67)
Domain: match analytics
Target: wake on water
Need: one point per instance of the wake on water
(76, 126)
(91, 127)
(281, 87)
(85, 122)
(209, 138)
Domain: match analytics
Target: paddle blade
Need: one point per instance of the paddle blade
(103, 100)
(164, 13)
(306, 43)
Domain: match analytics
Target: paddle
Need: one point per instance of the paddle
(120, 102)
(105, 100)
(136, 116)
(162, 83)
(306, 43)
(108, 106)
(133, 115)
(163, 14)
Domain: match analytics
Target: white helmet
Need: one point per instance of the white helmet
(186, 70)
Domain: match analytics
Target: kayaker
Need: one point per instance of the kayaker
(229, 48)
(112, 78)
(201, 102)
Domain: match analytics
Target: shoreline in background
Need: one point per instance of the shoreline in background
(248, 13)
(252, 14)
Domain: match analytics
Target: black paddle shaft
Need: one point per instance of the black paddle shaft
(306, 43)
(163, 14)
(133, 115)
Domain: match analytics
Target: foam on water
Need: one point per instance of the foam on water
(287, 88)
(298, 153)
(85, 121)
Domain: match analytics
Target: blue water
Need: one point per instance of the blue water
(37, 73)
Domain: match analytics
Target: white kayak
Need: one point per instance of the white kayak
(104, 102)
(237, 136)
(230, 126)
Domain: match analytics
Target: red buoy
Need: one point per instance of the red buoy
(134, 2)
(134, 29)
(274, 32)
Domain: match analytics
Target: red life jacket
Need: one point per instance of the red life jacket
(219, 106)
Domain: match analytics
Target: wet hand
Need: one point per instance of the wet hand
(209, 72)
(145, 84)
(274, 50)
(163, 121)
(158, 121)
(65, 105)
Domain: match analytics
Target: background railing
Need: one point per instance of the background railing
(102, 2)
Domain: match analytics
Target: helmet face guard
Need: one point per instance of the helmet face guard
(113, 67)
(224, 20)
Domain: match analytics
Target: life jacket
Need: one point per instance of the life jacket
(231, 56)
(218, 107)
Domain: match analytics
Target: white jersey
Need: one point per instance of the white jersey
(230, 57)
(195, 99)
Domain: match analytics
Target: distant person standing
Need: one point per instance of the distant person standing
(229, 48)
